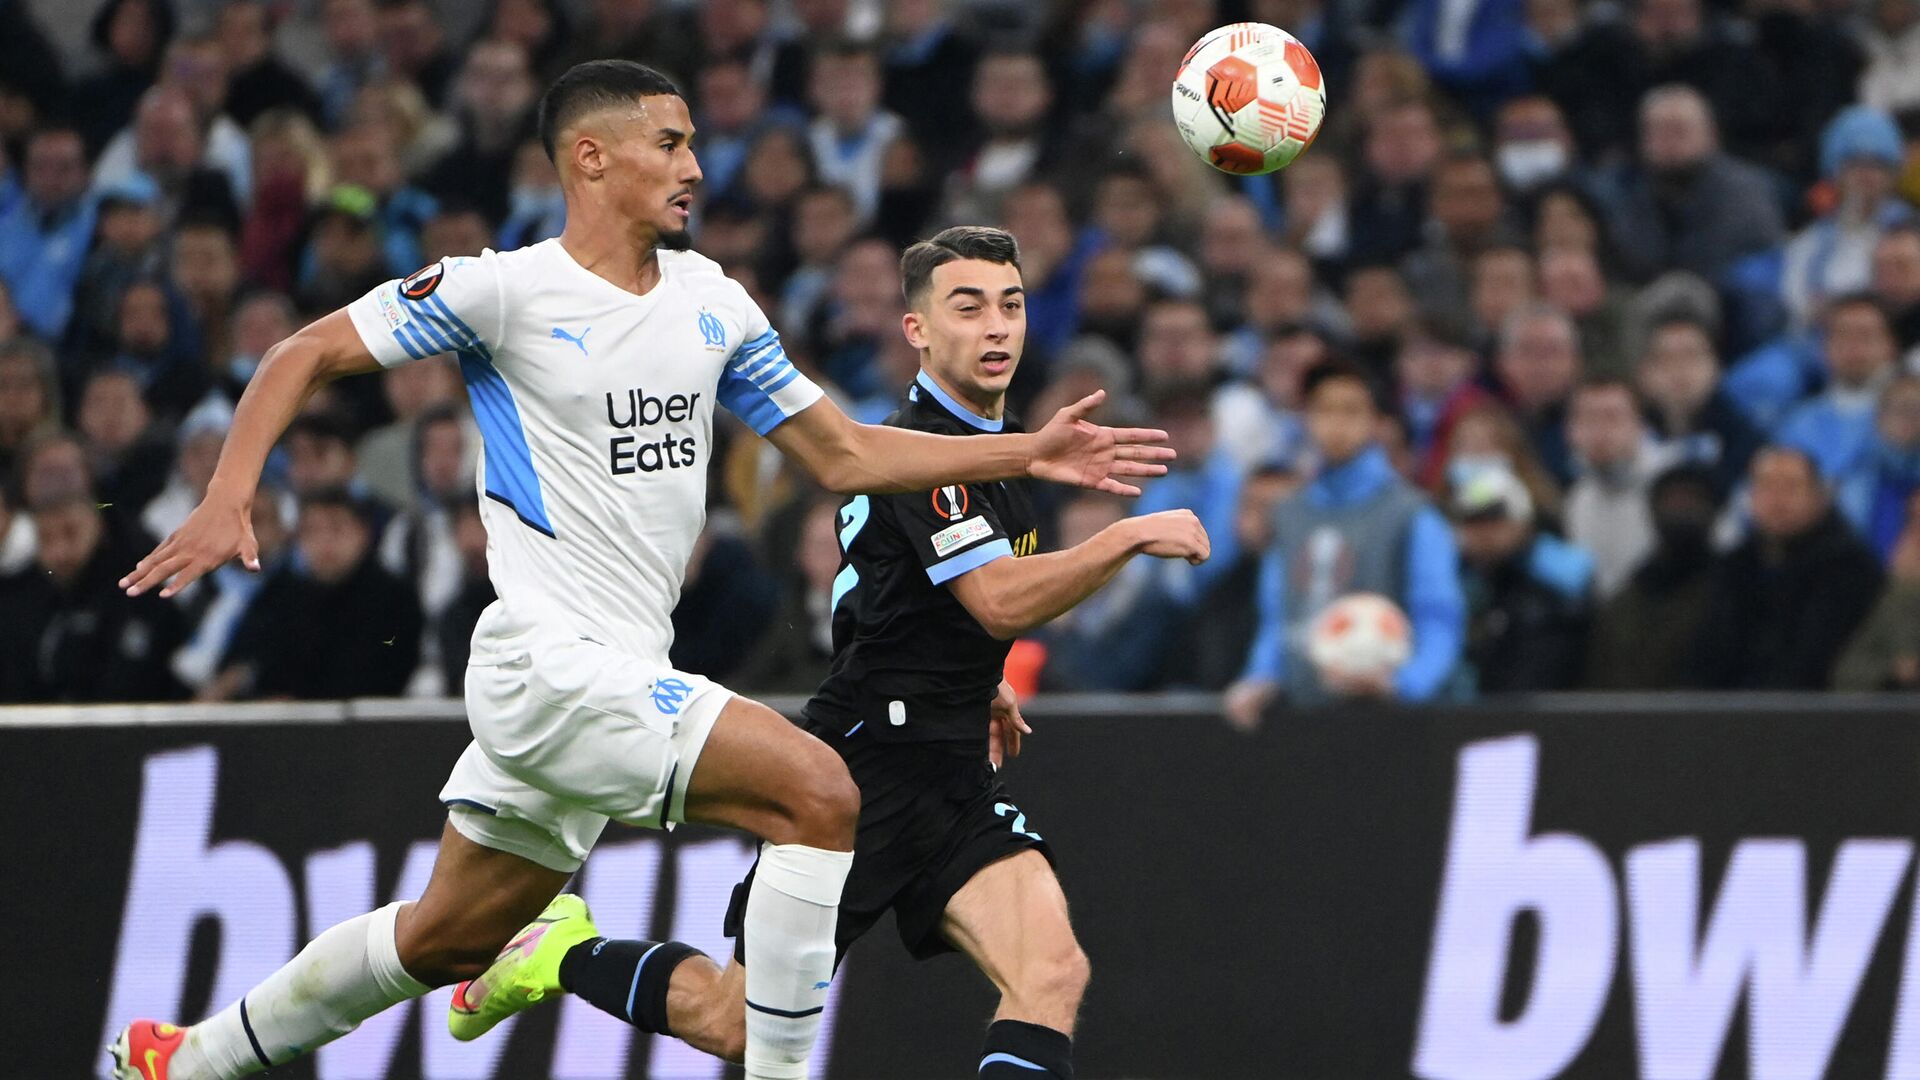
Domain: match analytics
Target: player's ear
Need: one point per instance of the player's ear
(589, 157)
(914, 328)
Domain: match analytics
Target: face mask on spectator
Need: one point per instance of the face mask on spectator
(1527, 163)
(536, 202)
(1464, 467)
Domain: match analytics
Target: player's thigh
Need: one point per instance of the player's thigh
(760, 773)
(1011, 919)
(477, 898)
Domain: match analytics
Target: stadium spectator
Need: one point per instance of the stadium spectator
(130, 35)
(334, 624)
(1485, 436)
(199, 439)
(72, 634)
(1876, 494)
(536, 210)
(824, 221)
(1689, 205)
(1314, 213)
(29, 400)
(493, 101)
(1885, 654)
(205, 268)
(166, 145)
(1389, 204)
(365, 156)
(219, 602)
(52, 463)
(196, 68)
(1791, 596)
(1012, 100)
(1500, 284)
(1890, 35)
(125, 455)
(1644, 636)
(352, 37)
(1572, 280)
(45, 232)
(725, 605)
(414, 47)
(1379, 306)
(385, 456)
(1615, 462)
(1528, 593)
(1052, 261)
(797, 650)
(1533, 147)
(456, 229)
(1205, 479)
(926, 56)
(1691, 417)
(1357, 527)
(257, 78)
(19, 545)
(128, 246)
(1465, 217)
(259, 322)
(1860, 157)
(417, 545)
(851, 133)
(660, 35)
(1539, 365)
(1219, 631)
(453, 631)
(1434, 376)
(157, 343)
(1835, 429)
(344, 255)
(1895, 277)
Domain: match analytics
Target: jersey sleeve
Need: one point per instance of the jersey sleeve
(759, 384)
(450, 306)
(952, 530)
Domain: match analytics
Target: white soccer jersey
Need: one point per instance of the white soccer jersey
(595, 408)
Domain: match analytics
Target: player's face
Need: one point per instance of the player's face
(652, 171)
(972, 325)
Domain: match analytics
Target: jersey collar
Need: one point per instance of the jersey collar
(960, 412)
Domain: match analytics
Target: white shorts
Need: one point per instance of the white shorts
(569, 733)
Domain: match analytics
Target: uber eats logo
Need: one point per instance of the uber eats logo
(642, 452)
(1793, 951)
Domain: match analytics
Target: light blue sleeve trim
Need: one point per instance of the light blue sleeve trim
(942, 572)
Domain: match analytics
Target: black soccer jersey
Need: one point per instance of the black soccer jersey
(910, 664)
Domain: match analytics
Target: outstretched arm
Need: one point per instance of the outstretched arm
(1009, 597)
(221, 527)
(852, 458)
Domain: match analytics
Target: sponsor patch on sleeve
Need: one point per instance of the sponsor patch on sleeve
(390, 308)
(959, 536)
(420, 284)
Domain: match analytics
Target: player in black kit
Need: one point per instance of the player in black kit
(932, 590)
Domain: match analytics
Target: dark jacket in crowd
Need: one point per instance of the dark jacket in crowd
(1527, 618)
(89, 642)
(1885, 654)
(1643, 638)
(310, 640)
(1701, 221)
(1779, 623)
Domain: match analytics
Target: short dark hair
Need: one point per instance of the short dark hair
(983, 242)
(1340, 369)
(592, 85)
(1859, 299)
(337, 498)
(322, 426)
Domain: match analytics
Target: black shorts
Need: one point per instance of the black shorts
(929, 821)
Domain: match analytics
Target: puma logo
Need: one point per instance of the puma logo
(580, 340)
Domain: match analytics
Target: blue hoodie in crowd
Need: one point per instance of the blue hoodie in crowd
(1875, 497)
(1363, 497)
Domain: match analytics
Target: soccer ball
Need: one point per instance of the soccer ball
(1360, 635)
(1248, 98)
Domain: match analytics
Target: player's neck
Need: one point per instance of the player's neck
(623, 256)
(991, 408)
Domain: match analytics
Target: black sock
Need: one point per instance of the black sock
(1017, 1050)
(626, 978)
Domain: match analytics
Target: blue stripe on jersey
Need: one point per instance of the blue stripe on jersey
(961, 412)
(751, 397)
(405, 338)
(748, 349)
(766, 362)
(942, 572)
(510, 476)
(431, 335)
(462, 334)
(1009, 1059)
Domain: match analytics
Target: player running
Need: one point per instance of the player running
(594, 362)
(928, 599)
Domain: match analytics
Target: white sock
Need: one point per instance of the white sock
(345, 975)
(791, 911)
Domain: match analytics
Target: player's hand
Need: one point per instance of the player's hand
(1246, 703)
(220, 528)
(1073, 450)
(1005, 726)
(1173, 534)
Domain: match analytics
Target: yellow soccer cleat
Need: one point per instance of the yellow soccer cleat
(525, 973)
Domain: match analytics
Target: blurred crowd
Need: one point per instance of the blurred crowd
(1587, 332)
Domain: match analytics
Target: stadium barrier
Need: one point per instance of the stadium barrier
(1596, 887)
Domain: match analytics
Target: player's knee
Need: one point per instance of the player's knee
(823, 803)
(1059, 978)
